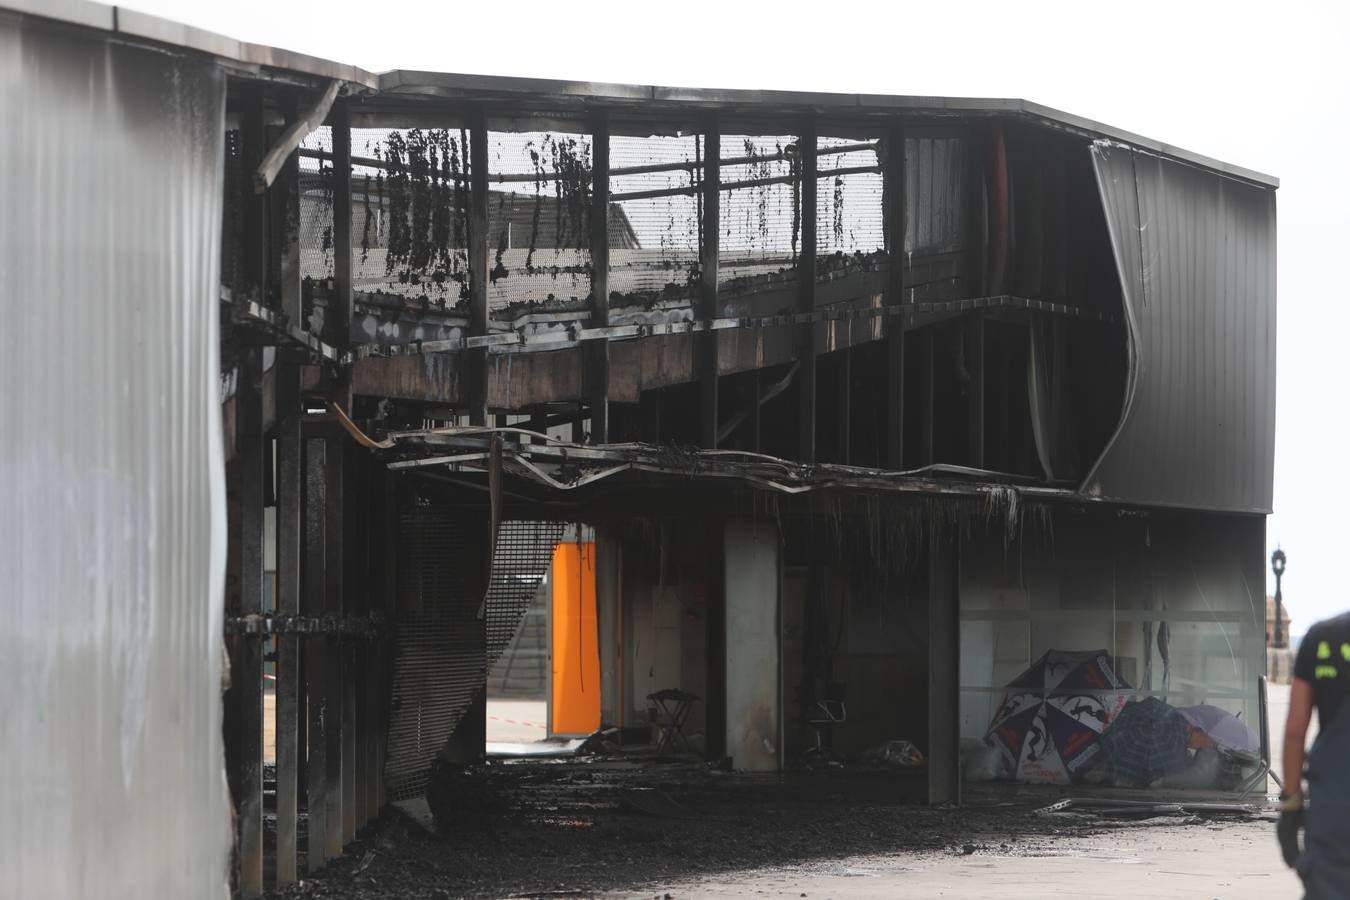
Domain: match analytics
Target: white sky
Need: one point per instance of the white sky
(1265, 86)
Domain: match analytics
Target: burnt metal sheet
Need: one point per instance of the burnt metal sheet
(1196, 257)
(133, 24)
(112, 545)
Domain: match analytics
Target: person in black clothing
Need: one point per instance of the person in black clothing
(1321, 679)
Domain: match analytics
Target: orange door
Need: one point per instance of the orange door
(575, 707)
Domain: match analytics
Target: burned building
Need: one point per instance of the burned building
(869, 402)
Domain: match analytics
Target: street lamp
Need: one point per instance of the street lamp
(1277, 561)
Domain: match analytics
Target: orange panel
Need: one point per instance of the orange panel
(576, 653)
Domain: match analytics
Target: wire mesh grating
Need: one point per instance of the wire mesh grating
(655, 240)
(520, 561)
(539, 215)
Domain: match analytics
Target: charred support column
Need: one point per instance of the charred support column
(474, 373)
(289, 493)
(334, 604)
(386, 540)
(318, 656)
(806, 293)
(244, 722)
(609, 621)
(975, 368)
(599, 350)
(709, 261)
(927, 337)
(944, 671)
(243, 725)
(353, 683)
(893, 205)
(340, 311)
(340, 813)
(845, 401)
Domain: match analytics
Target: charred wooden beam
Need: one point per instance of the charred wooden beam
(709, 262)
(599, 351)
(893, 210)
(475, 361)
(806, 293)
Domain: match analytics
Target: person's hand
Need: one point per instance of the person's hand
(1290, 824)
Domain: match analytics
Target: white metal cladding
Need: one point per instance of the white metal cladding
(112, 544)
(1196, 256)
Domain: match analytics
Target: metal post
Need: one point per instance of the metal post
(290, 451)
(317, 655)
(289, 481)
(340, 819)
(944, 720)
(806, 293)
(244, 728)
(845, 404)
(975, 408)
(339, 316)
(1277, 564)
(927, 338)
(709, 261)
(599, 350)
(893, 203)
(475, 360)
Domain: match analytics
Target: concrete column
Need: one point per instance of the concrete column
(754, 696)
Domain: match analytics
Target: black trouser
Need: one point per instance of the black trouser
(1325, 863)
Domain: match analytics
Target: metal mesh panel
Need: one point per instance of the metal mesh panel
(316, 206)
(850, 223)
(935, 186)
(760, 218)
(519, 563)
(654, 241)
(410, 203)
(539, 214)
(439, 664)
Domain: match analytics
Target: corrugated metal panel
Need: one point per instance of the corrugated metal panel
(112, 543)
(1196, 255)
(439, 660)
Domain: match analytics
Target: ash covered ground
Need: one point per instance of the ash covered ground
(579, 828)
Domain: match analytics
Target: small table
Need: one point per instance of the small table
(672, 711)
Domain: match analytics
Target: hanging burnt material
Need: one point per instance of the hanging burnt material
(537, 163)
(326, 208)
(369, 218)
(423, 188)
(837, 210)
(795, 171)
(572, 189)
(503, 241)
